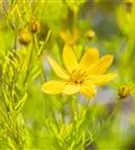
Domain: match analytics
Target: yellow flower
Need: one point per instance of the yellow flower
(69, 38)
(80, 77)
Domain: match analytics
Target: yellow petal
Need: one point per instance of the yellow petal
(102, 65)
(71, 89)
(69, 58)
(57, 69)
(102, 79)
(53, 87)
(88, 89)
(89, 58)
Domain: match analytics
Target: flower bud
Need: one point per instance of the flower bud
(90, 34)
(124, 91)
(25, 37)
(129, 4)
(34, 25)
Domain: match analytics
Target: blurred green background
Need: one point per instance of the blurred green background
(30, 119)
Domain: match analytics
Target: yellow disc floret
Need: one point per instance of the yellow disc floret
(78, 76)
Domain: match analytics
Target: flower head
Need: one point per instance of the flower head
(80, 77)
(70, 38)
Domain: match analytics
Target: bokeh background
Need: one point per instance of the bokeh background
(41, 121)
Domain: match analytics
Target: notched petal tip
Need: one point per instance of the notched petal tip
(109, 59)
(94, 49)
(89, 58)
(102, 65)
(102, 79)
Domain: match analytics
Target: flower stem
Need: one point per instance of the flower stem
(74, 107)
(29, 61)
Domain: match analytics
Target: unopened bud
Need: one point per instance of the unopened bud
(124, 91)
(34, 25)
(25, 37)
(129, 4)
(90, 34)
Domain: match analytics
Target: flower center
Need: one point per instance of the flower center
(78, 76)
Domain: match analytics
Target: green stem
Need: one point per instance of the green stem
(29, 61)
(74, 107)
(40, 50)
(103, 127)
(15, 39)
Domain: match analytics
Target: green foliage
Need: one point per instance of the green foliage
(31, 119)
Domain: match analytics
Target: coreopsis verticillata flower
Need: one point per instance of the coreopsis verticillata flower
(80, 77)
(70, 38)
